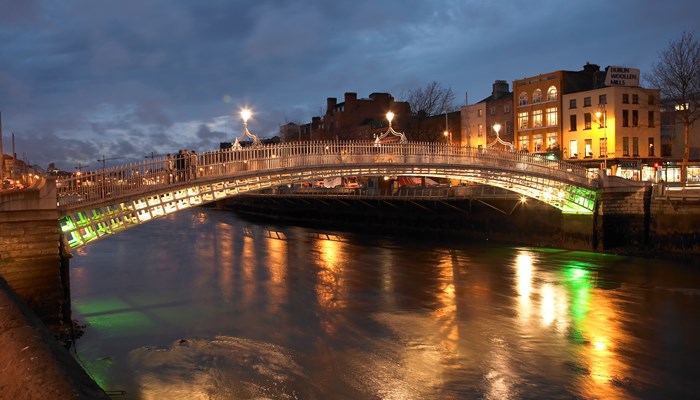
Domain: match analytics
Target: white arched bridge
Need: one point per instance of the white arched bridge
(99, 203)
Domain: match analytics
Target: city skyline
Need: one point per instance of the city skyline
(81, 81)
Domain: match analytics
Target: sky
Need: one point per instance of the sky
(122, 80)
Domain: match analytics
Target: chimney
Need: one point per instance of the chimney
(330, 104)
(591, 68)
(500, 87)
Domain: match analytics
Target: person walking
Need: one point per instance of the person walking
(193, 164)
(180, 165)
(170, 168)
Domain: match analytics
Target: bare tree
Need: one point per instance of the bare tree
(677, 76)
(431, 100)
(426, 102)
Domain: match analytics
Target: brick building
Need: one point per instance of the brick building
(358, 118)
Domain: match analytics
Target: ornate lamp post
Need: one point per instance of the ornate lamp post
(245, 114)
(402, 137)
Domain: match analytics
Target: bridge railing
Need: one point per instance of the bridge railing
(122, 180)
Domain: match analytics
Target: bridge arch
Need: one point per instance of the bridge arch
(102, 203)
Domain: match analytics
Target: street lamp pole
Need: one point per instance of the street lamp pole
(604, 114)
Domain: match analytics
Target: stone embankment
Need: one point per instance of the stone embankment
(33, 365)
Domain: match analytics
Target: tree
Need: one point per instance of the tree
(431, 100)
(677, 76)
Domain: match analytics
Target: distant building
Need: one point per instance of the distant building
(479, 119)
(358, 119)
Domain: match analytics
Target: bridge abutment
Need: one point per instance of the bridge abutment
(30, 261)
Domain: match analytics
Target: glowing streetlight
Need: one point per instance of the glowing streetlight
(245, 115)
(390, 117)
(497, 128)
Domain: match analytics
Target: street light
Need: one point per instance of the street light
(497, 128)
(603, 114)
(390, 116)
(245, 114)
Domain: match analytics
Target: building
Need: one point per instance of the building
(673, 145)
(479, 119)
(617, 128)
(358, 118)
(538, 106)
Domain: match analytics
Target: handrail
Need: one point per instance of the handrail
(123, 180)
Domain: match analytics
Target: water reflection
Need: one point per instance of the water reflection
(229, 309)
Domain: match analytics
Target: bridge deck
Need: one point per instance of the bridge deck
(98, 203)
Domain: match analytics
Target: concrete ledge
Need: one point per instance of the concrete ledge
(33, 365)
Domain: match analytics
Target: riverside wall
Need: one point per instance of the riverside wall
(30, 262)
(630, 218)
(34, 301)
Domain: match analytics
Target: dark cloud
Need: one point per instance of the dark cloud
(80, 79)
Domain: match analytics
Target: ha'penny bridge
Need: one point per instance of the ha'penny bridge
(100, 203)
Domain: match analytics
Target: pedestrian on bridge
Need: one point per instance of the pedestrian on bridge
(170, 168)
(193, 164)
(180, 165)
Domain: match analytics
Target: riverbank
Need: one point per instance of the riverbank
(497, 221)
(33, 365)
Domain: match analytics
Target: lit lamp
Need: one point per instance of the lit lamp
(497, 128)
(245, 114)
(378, 138)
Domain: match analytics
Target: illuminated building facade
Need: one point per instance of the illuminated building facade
(615, 127)
(478, 119)
(538, 106)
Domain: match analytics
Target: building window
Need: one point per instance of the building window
(587, 121)
(651, 99)
(493, 110)
(635, 118)
(572, 103)
(572, 123)
(573, 149)
(523, 143)
(479, 130)
(523, 99)
(506, 108)
(652, 123)
(625, 118)
(537, 118)
(509, 127)
(552, 140)
(479, 113)
(635, 146)
(603, 150)
(625, 98)
(552, 116)
(537, 96)
(551, 93)
(586, 101)
(589, 148)
(626, 146)
(635, 99)
(651, 147)
(602, 99)
(537, 142)
(522, 120)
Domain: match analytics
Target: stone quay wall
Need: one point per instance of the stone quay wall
(30, 262)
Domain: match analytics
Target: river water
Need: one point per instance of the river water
(205, 305)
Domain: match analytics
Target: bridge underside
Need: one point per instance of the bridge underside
(89, 221)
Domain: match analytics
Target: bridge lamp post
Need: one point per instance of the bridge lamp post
(497, 128)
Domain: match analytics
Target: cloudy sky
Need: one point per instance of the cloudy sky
(122, 79)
